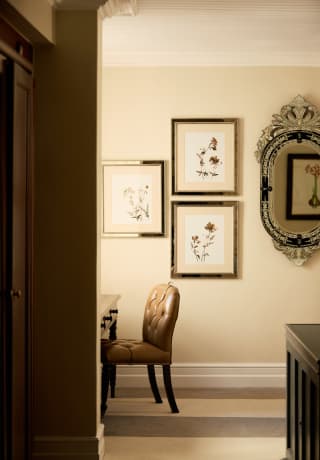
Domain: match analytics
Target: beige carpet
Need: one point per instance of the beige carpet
(203, 414)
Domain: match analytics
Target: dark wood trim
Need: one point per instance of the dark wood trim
(14, 56)
(15, 41)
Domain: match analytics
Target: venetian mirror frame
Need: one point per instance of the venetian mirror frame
(296, 128)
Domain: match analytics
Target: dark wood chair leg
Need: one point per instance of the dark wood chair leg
(113, 377)
(153, 383)
(105, 377)
(168, 386)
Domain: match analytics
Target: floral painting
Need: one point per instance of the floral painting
(138, 201)
(204, 239)
(314, 171)
(133, 198)
(204, 154)
(204, 157)
(303, 192)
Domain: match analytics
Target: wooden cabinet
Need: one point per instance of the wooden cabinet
(303, 385)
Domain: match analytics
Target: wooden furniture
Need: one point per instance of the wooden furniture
(303, 385)
(109, 316)
(155, 348)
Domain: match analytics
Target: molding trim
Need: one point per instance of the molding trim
(120, 8)
(69, 447)
(77, 4)
(229, 375)
(132, 58)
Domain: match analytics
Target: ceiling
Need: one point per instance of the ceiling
(214, 33)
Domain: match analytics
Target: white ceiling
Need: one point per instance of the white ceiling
(215, 32)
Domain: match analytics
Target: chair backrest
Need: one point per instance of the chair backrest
(161, 312)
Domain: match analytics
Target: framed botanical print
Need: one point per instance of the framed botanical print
(204, 239)
(303, 188)
(133, 198)
(204, 154)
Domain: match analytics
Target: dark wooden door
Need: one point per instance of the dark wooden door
(16, 255)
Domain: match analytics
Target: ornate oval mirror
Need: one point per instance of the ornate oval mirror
(289, 155)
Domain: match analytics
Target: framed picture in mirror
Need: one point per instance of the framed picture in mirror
(303, 187)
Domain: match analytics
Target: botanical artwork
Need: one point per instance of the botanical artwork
(314, 170)
(132, 199)
(201, 246)
(204, 153)
(138, 202)
(204, 239)
(303, 194)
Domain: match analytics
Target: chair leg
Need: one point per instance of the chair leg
(153, 383)
(113, 377)
(105, 377)
(168, 387)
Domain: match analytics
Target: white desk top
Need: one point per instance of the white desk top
(107, 302)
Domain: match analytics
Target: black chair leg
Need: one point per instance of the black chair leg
(105, 377)
(153, 383)
(168, 387)
(113, 377)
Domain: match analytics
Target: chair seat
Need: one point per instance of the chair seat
(124, 351)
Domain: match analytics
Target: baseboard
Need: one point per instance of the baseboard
(230, 375)
(69, 447)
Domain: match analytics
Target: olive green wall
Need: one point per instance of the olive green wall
(65, 332)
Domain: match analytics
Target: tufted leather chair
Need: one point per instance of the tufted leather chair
(161, 312)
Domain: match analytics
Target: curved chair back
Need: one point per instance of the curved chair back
(161, 312)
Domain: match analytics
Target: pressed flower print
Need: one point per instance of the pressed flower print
(138, 202)
(204, 243)
(314, 170)
(201, 246)
(132, 199)
(204, 157)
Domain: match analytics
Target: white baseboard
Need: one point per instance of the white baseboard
(69, 447)
(230, 375)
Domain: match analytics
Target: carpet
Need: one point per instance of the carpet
(117, 425)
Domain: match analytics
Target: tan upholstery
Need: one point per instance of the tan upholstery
(161, 312)
(134, 352)
(160, 315)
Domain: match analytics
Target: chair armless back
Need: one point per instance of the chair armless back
(161, 312)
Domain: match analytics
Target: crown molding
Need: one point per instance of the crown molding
(208, 59)
(120, 8)
(76, 4)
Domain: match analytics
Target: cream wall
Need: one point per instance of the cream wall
(221, 321)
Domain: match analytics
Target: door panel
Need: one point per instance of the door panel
(16, 219)
(19, 287)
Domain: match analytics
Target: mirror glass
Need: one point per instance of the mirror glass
(288, 152)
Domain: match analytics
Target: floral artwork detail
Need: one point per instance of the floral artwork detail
(208, 166)
(200, 247)
(314, 170)
(138, 201)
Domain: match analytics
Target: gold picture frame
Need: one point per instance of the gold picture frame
(204, 156)
(133, 198)
(204, 239)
